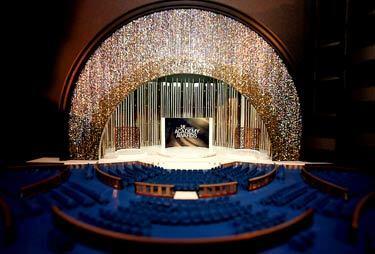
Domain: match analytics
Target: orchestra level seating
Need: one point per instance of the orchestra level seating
(79, 213)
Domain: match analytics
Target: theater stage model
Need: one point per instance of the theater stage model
(152, 98)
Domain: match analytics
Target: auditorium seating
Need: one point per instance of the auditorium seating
(184, 212)
(93, 209)
(242, 172)
(131, 172)
(25, 176)
(358, 183)
(302, 241)
(186, 180)
(95, 195)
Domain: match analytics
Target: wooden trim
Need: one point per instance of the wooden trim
(45, 184)
(229, 164)
(108, 179)
(359, 208)
(325, 185)
(260, 181)
(8, 222)
(271, 233)
(147, 9)
(148, 189)
(217, 189)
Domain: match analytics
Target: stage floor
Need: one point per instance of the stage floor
(180, 157)
(186, 157)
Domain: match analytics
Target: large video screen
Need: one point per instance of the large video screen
(192, 132)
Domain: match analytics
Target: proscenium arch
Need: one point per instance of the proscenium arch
(239, 57)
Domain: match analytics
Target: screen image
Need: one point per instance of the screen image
(193, 132)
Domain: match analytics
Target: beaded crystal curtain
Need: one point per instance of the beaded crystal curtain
(184, 41)
(187, 96)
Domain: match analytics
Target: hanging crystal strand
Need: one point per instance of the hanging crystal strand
(187, 97)
(158, 114)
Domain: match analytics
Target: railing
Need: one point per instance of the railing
(8, 223)
(229, 164)
(255, 239)
(260, 181)
(45, 184)
(360, 207)
(324, 185)
(217, 190)
(154, 190)
(110, 180)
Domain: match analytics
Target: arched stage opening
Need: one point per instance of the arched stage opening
(194, 41)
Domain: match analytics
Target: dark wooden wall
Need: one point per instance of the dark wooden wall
(43, 39)
(339, 87)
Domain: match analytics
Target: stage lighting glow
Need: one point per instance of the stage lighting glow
(184, 41)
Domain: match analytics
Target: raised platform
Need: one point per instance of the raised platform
(180, 157)
(187, 152)
(186, 157)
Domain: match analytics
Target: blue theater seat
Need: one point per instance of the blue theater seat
(63, 200)
(79, 198)
(98, 197)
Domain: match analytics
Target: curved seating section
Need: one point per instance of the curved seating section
(187, 180)
(131, 172)
(360, 207)
(300, 196)
(121, 228)
(90, 208)
(26, 175)
(89, 191)
(357, 182)
(260, 181)
(108, 179)
(156, 190)
(45, 184)
(286, 195)
(217, 190)
(68, 195)
(324, 185)
(242, 172)
(184, 212)
(88, 169)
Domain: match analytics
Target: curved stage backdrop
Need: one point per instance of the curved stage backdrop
(178, 41)
(235, 122)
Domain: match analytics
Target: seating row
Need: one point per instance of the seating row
(184, 180)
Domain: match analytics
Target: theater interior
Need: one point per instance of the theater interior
(215, 126)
